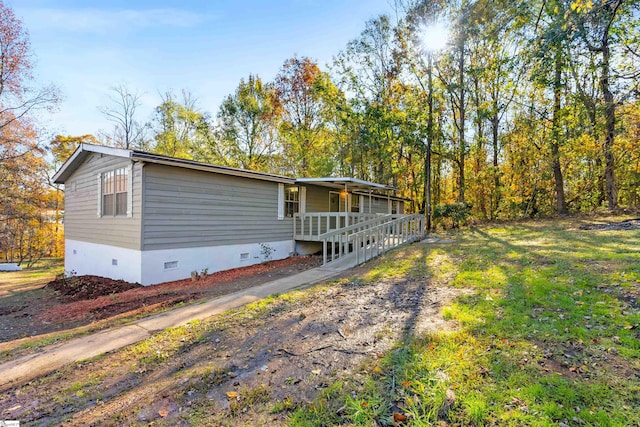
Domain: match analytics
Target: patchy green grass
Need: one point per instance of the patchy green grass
(40, 273)
(547, 332)
(549, 335)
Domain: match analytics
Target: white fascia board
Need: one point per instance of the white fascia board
(341, 181)
(80, 154)
(205, 167)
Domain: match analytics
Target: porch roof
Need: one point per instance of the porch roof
(349, 183)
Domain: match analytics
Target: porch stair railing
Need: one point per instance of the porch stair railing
(311, 225)
(371, 238)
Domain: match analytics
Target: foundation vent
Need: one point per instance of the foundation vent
(170, 265)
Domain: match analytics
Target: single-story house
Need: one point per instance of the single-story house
(150, 218)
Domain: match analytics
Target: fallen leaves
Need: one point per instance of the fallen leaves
(517, 403)
(579, 369)
(397, 417)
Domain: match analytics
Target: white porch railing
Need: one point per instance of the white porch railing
(371, 238)
(374, 241)
(310, 225)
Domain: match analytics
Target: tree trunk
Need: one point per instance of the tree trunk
(462, 150)
(427, 160)
(611, 190)
(556, 135)
(479, 155)
(495, 200)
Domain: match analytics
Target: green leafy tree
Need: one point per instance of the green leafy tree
(247, 125)
(306, 109)
(180, 128)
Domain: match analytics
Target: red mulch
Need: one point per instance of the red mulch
(94, 298)
(87, 287)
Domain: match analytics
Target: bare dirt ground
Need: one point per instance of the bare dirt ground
(628, 224)
(79, 301)
(224, 371)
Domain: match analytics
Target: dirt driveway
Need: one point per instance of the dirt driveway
(224, 371)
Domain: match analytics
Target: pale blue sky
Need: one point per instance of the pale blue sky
(86, 47)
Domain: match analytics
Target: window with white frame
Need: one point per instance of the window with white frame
(291, 201)
(115, 192)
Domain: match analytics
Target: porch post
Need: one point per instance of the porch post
(346, 203)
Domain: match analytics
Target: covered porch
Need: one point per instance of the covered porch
(331, 204)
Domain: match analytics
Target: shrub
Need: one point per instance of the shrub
(451, 215)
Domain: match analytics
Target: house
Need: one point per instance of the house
(150, 218)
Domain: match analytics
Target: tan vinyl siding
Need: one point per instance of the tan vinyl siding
(81, 221)
(185, 208)
(378, 205)
(317, 199)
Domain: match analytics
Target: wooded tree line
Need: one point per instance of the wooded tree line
(530, 109)
(27, 231)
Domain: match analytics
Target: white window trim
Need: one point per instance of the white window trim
(280, 202)
(289, 200)
(302, 204)
(99, 194)
(130, 191)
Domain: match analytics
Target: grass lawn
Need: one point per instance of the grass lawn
(40, 273)
(550, 335)
(535, 324)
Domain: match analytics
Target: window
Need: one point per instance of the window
(291, 201)
(114, 192)
(355, 203)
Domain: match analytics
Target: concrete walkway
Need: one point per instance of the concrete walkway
(58, 355)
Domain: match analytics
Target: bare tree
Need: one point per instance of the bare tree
(127, 132)
(18, 99)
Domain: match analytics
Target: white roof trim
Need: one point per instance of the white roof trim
(79, 155)
(82, 151)
(344, 180)
(206, 167)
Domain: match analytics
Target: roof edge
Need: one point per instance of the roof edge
(338, 180)
(78, 155)
(207, 167)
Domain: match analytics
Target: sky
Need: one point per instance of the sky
(87, 47)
